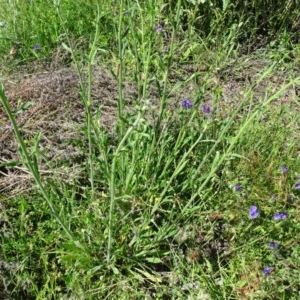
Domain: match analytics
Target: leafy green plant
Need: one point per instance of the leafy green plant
(182, 197)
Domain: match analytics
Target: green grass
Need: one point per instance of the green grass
(161, 207)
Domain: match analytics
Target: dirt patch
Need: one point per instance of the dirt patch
(50, 103)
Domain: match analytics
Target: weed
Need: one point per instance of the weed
(182, 181)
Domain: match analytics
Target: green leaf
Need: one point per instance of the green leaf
(154, 260)
(150, 276)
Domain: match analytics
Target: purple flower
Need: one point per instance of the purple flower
(273, 245)
(267, 270)
(253, 212)
(237, 187)
(186, 103)
(297, 186)
(36, 47)
(284, 169)
(273, 197)
(280, 216)
(159, 28)
(206, 108)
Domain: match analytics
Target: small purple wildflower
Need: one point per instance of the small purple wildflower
(253, 212)
(280, 216)
(159, 28)
(206, 109)
(36, 47)
(267, 270)
(273, 245)
(186, 103)
(273, 197)
(126, 13)
(297, 186)
(284, 169)
(237, 187)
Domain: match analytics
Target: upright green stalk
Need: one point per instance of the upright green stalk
(91, 57)
(86, 93)
(120, 66)
(163, 100)
(112, 187)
